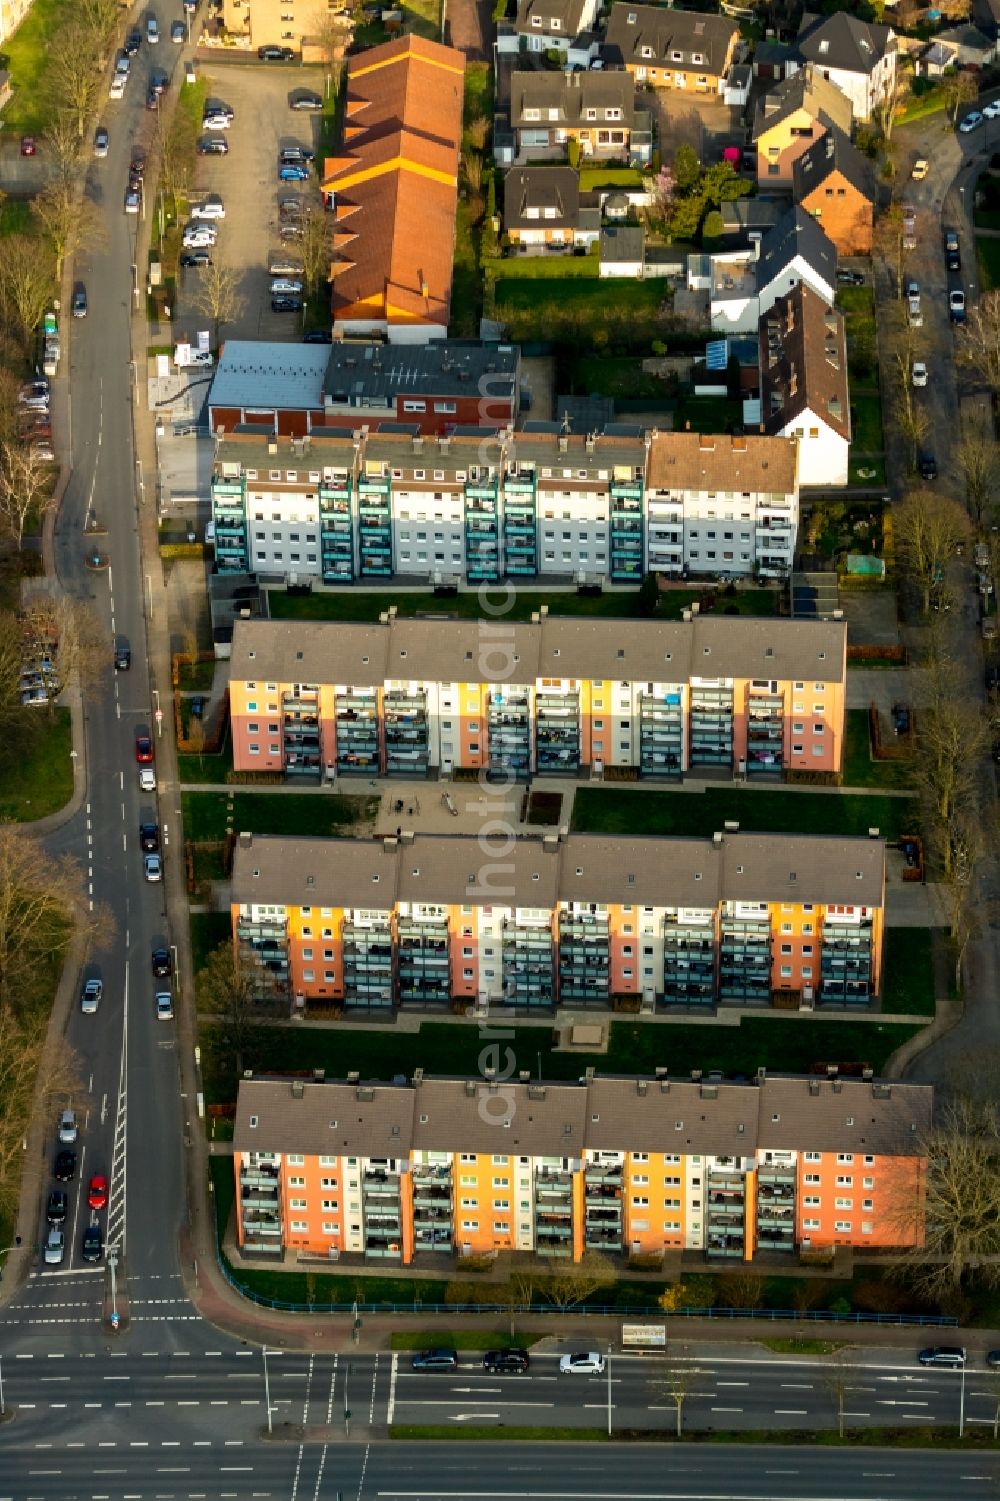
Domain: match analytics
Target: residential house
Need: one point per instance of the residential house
(393, 191)
(934, 60)
(789, 117)
(736, 919)
(746, 221)
(547, 25)
(835, 185)
(672, 49)
(323, 699)
(803, 383)
(296, 390)
(262, 23)
(452, 1168)
(744, 284)
(721, 503)
(548, 110)
(543, 207)
(971, 48)
(622, 250)
(858, 57)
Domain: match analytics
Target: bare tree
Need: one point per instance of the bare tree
(25, 489)
(574, 1282)
(838, 1372)
(70, 220)
(315, 250)
(73, 70)
(978, 462)
(26, 283)
(330, 35)
(885, 108)
(959, 89)
(741, 1289)
(968, 847)
(226, 991)
(977, 346)
(927, 528)
(77, 634)
(219, 295)
(887, 242)
(676, 1378)
(9, 408)
(63, 149)
(32, 1080)
(178, 144)
(952, 734)
(950, 1206)
(39, 897)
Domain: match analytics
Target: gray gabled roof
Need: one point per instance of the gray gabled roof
(843, 42)
(553, 192)
(833, 153)
(797, 234)
(569, 14)
(807, 90)
(662, 32)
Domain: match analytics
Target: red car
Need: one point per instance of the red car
(97, 1193)
(27, 145)
(143, 748)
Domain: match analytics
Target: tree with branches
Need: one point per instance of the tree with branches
(573, 1282)
(331, 34)
(676, 1378)
(71, 221)
(225, 990)
(25, 489)
(26, 283)
(887, 242)
(315, 250)
(952, 734)
(73, 70)
(838, 1372)
(219, 295)
(927, 528)
(978, 462)
(977, 346)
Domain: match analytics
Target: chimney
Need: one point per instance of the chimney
(298, 1089)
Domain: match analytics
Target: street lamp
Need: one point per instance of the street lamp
(267, 1391)
(149, 591)
(157, 715)
(608, 1363)
(112, 1268)
(961, 1405)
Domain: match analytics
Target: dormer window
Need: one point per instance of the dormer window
(647, 51)
(536, 21)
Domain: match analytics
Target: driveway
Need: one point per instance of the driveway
(247, 180)
(697, 120)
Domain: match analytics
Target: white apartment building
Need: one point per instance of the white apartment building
(341, 508)
(721, 505)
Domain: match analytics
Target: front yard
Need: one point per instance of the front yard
(781, 810)
(614, 604)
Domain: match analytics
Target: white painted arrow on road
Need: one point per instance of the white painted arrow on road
(463, 1417)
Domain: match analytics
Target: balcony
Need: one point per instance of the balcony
(260, 1177)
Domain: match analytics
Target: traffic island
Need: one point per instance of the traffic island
(116, 1312)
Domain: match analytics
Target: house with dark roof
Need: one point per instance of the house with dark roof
(543, 206)
(545, 24)
(672, 49)
(789, 117)
(803, 383)
(835, 185)
(970, 47)
(858, 57)
(744, 284)
(600, 110)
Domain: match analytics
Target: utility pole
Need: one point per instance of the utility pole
(267, 1391)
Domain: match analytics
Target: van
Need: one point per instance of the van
(117, 89)
(152, 30)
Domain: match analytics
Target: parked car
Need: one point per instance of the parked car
(64, 1166)
(972, 121)
(55, 1208)
(80, 301)
(55, 1247)
(131, 199)
(501, 1361)
(101, 141)
(927, 465)
(143, 747)
(274, 54)
(90, 996)
(194, 259)
(164, 1006)
(199, 236)
(286, 304)
(305, 99)
(317, 336)
(921, 167)
(290, 155)
(132, 42)
(991, 111)
(28, 147)
(158, 80)
(152, 98)
(162, 963)
(850, 278)
(178, 32)
(213, 145)
(137, 165)
(198, 704)
(989, 627)
(946, 1355)
(956, 306)
(216, 121)
(123, 657)
(152, 30)
(292, 172)
(993, 1359)
(97, 1192)
(285, 265)
(285, 286)
(435, 1360)
(152, 867)
(149, 836)
(583, 1362)
(209, 208)
(92, 1248)
(901, 718)
(68, 1130)
(919, 373)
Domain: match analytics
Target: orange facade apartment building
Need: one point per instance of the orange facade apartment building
(628, 1167)
(423, 921)
(320, 700)
(394, 191)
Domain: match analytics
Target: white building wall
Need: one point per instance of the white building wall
(823, 453)
(283, 528)
(799, 270)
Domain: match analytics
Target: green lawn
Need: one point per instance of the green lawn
(208, 931)
(536, 295)
(467, 280)
(622, 379)
(30, 109)
(16, 217)
(42, 782)
(988, 257)
(206, 813)
(920, 106)
(611, 810)
(708, 414)
(866, 423)
(859, 768)
(909, 972)
(609, 177)
(618, 604)
(207, 768)
(583, 313)
(544, 268)
(856, 301)
(782, 1044)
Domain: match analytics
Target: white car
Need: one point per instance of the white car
(211, 208)
(152, 868)
(971, 122)
(164, 1006)
(991, 111)
(199, 236)
(921, 167)
(956, 306)
(117, 89)
(68, 1128)
(589, 1362)
(147, 779)
(55, 1247)
(216, 121)
(919, 373)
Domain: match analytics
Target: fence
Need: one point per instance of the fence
(604, 1311)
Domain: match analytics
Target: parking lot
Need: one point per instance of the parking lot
(247, 181)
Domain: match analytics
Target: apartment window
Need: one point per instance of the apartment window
(470, 1224)
(812, 1177)
(845, 1157)
(330, 1206)
(868, 1183)
(811, 1201)
(844, 1181)
(299, 1227)
(467, 1182)
(843, 1204)
(501, 1182)
(299, 1204)
(499, 1204)
(640, 1179)
(844, 1226)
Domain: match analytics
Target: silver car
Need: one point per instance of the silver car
(55, 1247)
(68, 1130)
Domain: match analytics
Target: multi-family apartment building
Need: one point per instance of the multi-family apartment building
(480, 505)
(627, 1167)
(575, 920)
(571, 697)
